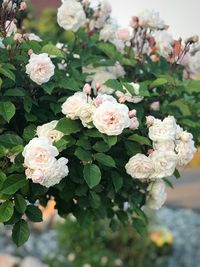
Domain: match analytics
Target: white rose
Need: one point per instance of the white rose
(85, 113)
(164, 130)
(33, 37)
(117, 70)
(185, 136)
(140, 167)
(71, 15)
(194, 63)
(185, 151)
(48, 130)
(157, 195)
(165, 146)
(39, 153)
(164, 163)
(73, 103)
(40, 68)
(55, 173)
(164, 43)
(151, 19)
(31, 262)
(11, 28)
(100, 78)
(111, 118)
(108, 32)
(101, 98)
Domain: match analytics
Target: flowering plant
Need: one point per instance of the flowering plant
(94, 121)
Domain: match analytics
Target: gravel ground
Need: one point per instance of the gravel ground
(184, 224)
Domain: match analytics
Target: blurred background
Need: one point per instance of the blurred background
(174, 232)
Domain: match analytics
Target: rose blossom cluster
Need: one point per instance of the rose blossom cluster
(172, 148)
(41, 164)
(101, 14)
(102, 111)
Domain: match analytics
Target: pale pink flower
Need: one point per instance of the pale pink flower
(155, 106)
(134, 123)
(23, 6)
(123, 34)
(111, 118)
(87, 89)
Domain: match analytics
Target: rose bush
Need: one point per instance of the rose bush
(96, 120)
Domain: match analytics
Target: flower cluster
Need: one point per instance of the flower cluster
(172, 148)
(102, 111)
(41, 164)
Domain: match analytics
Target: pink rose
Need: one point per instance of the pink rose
(123, 34)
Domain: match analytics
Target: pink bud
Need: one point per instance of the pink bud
(23, 6)
(150, 120)
(149, 152)
(132, 113)
(134, 22)
(155, 106)
(87, 89)
(123, 34)
(154, 58)
(98, 86)
(122, 99)
(30, 52)
(134, 123)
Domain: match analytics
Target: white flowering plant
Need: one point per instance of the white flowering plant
(98, 121)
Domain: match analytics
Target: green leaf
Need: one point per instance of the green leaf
(7, 110)
(110, 140)
(7, 73)
(20, 233)
(6, 211)
(92, 175)
(20, 203)
(10, 140)
(34, 213)
(1, 82)
(109, 50)
(29, 132)
(117, 181)
(101, 146)
(192, 86)
(13, 183)
(140, 139)
(182, 105)
(144, 91)
(68, 126)
(14, 92)
(140, 226)
(177, 174)
(2, 178)
(114, 84)
(105, 160)
(158, 82)
(83, 154)
(49, 87)
(95, 200)
(52, 50)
